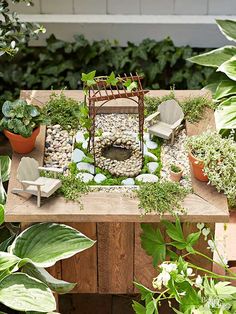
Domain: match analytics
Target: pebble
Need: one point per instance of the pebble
(128, 181)
(85, 177)
(86, 167)
(152, 166)
(77, 155)
(146, 177)
(99, 178)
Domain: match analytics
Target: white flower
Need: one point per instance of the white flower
(168, 267)
(205, 232)
(162, 279)
(211, 245)
(189, 271)
(200, 225)
(198, 281)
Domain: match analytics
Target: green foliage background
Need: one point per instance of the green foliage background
(61, 63)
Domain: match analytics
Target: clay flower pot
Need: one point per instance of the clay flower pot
(197, 167)
(20, 144)
(176, 176)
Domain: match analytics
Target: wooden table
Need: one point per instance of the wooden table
(111, 218)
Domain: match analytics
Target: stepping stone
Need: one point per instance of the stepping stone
(152, 166)
(79, 137)
(150, 155)
(128, 181)
(85, 177)
(151, 144)
(147, 178)
(99, 178)
(86, 167)
(77, 155)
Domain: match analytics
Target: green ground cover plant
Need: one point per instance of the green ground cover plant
(161, 197)
(177, 279)
(61, 63)
(193, 107)
(175, 168)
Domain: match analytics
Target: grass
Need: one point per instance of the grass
(193, 107)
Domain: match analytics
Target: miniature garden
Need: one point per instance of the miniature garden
(159, 152)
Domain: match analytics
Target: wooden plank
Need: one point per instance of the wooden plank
(115, 257)
(82, 268)
(120, 208)
(144, 270)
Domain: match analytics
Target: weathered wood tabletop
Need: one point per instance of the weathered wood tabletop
(205, 204)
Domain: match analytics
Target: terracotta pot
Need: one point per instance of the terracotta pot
(197, 167)
(20, 144)
(176, 176)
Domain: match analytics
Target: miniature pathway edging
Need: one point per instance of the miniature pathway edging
(205, 205)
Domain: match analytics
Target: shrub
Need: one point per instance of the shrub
(61, 64)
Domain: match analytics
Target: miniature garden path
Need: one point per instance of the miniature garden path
(112, 218)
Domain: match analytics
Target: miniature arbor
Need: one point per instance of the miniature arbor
(128, 87)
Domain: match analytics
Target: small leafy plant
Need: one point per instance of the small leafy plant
(64, 111)
(25, 285)
(174, 168)
(177, 279)
(161, 197)
(21, 118)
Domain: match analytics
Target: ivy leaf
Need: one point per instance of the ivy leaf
(112, 80)
(88, 78)
(153, 243)
(130, 85)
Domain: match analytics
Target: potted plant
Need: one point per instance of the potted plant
(217, 158)
(176, 172)
(196, 148)
(21, 124)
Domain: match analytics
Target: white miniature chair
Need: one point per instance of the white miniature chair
(29, 177)
(166, 121)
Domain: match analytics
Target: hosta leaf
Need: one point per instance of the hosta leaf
(47, 243)
(225, 88)
(59, 286)
(3, 194)
(7, 260)
(229, 68)
(5, 167)
(215, 57)
(153, 243)
(228, 28)
(225, 115)
(24, 293)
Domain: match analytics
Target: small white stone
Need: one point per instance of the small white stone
(79, 137)
(151, 144)
(146, 136)
(146, 177)
(152, 166)
(86, 167)
(85, 145)
(150, 155)
(85, 177)
(99, 178)
(77, 155)
(128, 181)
